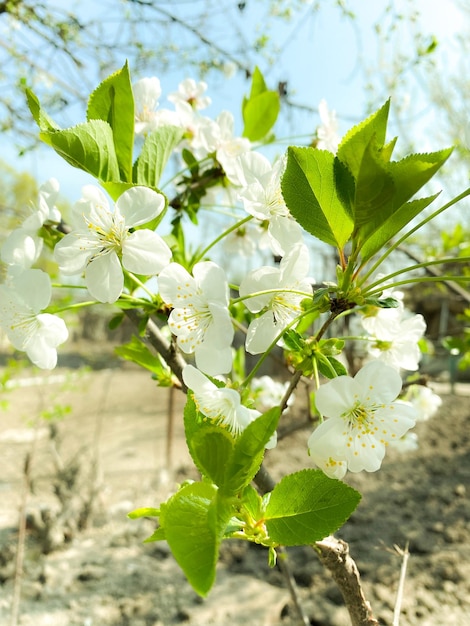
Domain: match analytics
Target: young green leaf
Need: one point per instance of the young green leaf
(87, 146)
(210, 445)
(260, 110)
(113, 102)
(211, 449)
(249, 451)
(391, 226)
(357, 139)
(157, 149)
(144, 512)
(137, 352)
(45, 123)
(375, 191)
(191, 537)
(306, 506)
(309, 190)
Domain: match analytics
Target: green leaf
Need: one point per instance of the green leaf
(210, 445)
(157, 535)
(144, 512)
(309, 190)
(137, 352)
(211, 450)
(260, 110)
(115, 189)
(260, 114)
(157, 149)
(375, 191)
(45, 123)
(391, 226)
(258, 84)
(113, 102)
(87, 146)
(306, 506)
(357, 139)
(191, 536)
(249, 451)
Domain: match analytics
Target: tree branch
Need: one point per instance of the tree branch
(334, 555)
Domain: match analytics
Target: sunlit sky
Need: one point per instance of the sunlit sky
(322, 57)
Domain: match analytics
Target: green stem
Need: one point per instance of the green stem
(202, 254)
(423, 222)
(418, 279)
(417, 266)
(140, 284)
(70, 307)
(62, 286)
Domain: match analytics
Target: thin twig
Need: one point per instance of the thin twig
(15, 604)
(401, 584)
(291, 585)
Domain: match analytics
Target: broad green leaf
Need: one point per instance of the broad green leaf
(210, 445)
(306, 506)
(356, 140)
(249, 451)
(414, 171)
(190, 534)
(211, 450)
(375, 191)
(309, 190)
(157, 149)
(137, 352)
(87, 146)
(260, 114)
(391, 226)
(113, 102)
(41, 118)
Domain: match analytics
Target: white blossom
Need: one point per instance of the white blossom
(24, 245)
(363, 417)
(262, 197)
(147, 91)
(218, 136)
(278, 308)
(200, 318)
(268, 392)
(38, 334)
(191, 92)
(220, 404)
(425, 401)
(102, 240)
(395, 335)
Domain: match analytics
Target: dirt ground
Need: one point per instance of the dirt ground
(84, 563)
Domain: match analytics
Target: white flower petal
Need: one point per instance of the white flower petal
(139, 205)
(261, 333)
(104, 278)
(336, 397)
(145, 252)
(213, 361)
(73, 252)
(380, 381)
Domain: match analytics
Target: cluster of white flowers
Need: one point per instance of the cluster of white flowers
(107, 243)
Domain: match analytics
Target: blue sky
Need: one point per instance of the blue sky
(321, 58)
